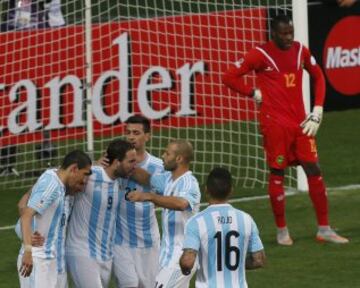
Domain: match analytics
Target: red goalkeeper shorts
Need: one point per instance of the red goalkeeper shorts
(287, 146)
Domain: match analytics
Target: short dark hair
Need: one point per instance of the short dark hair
(76, 157)
(117, 149)
(219, 183)
(281, 18)
(140, 119)
(184, 148)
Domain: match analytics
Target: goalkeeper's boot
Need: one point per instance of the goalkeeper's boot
(283, 237)
(329, 235)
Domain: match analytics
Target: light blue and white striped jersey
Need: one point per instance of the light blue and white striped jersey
(47, 199)
(173, 222)
(60, 259)
(92, 222)
(60, 245)
(136, 223)
(222, 235)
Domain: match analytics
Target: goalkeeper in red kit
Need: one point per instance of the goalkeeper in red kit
(288, 133)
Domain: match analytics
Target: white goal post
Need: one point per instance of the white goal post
(73, 85)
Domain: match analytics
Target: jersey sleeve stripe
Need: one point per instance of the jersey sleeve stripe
(299, 57)
(268, 57)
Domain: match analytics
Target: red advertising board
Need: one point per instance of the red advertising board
(168, 69)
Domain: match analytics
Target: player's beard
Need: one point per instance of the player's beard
(170, 166)
(121, 173)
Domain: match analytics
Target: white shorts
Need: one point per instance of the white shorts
(172, 277)
(43, 275)
(62, 280)
(87, 272)
(135, 267)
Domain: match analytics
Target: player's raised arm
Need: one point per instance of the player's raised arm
(141, 176)
(169, 202)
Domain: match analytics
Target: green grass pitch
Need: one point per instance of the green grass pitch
(307, 263)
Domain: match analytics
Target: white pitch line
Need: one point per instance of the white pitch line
(7, 227)
(246, 199)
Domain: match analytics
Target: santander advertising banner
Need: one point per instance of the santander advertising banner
(169, 69)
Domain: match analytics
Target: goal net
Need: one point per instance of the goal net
(74, 71)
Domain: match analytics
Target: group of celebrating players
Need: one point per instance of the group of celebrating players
(91, 220)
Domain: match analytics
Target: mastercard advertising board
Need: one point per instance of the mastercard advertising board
(335, 42)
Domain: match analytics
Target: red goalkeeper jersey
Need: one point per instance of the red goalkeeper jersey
(279, 77)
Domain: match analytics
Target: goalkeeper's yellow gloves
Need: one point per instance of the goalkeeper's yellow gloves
(312, 121)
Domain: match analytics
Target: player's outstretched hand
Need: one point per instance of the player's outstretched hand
(312, 122)
(27, 264)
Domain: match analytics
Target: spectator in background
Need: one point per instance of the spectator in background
(26, 14)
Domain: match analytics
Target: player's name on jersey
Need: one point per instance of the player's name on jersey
(224, 219)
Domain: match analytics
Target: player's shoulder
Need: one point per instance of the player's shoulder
(257, 51)
(261, 52)
(300, 48)
(245, 216)
(190, 175)
(48, 175)
(48, 181)
(263, 47)
(193, 220)
(155, 161)
(189, 180)
(97, 173)
(97, 169)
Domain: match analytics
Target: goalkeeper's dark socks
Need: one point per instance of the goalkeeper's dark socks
(277, 199)
(317, 192)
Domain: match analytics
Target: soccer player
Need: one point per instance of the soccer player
(226, 240)
(43, 213)
(288, 133)
(137, 240)
(90, 239)
(178, 193)
(37, 239)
